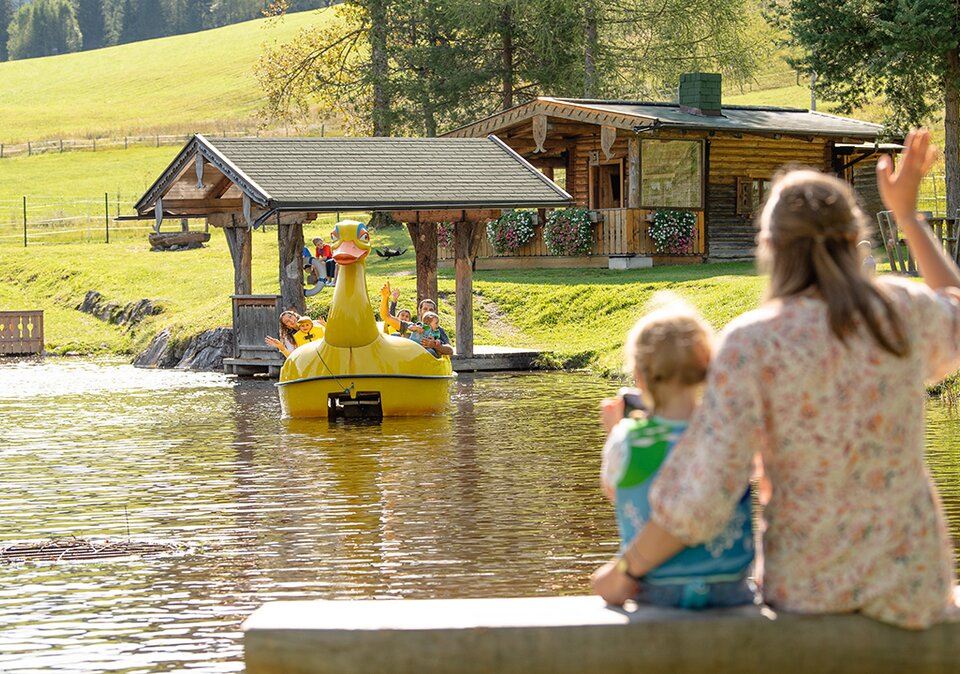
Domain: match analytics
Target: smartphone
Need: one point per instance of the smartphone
(632, 400)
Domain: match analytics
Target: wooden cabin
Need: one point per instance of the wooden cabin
(627, 159)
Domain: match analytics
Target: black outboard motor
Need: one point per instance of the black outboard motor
(362, 406)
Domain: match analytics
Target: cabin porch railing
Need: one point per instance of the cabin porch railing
(618, 232)
(21, 332)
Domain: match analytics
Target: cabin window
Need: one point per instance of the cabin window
(560, 177)
(750, 195)
(671, 173)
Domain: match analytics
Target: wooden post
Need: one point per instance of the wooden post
(24, 221)
(633, 157)
(290, 240)
(424, 237)
(466, 241)
(106, 215)
(240, 243)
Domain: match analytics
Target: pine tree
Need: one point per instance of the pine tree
(908, 53)
(142, 20)
(90, 20)
(6, 16)
(43, 28)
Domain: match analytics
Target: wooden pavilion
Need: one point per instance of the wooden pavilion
(628, 159)
(238, 184)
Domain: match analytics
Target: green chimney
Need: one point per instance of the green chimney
(700, 93)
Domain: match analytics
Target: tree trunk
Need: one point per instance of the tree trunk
(424, 237)
(506, 55)
(290, 240)
(240, 243)
(951, 127)
(590, 50)
(463, 252)
(379, 69)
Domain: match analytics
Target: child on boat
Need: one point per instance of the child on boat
(669, 352)
(397, 323)
(308, 330)
(429, 329)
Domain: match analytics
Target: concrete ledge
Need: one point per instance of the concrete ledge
(634, 262)
(495, 358)
(578, 635)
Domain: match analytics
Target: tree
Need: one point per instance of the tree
(90, 21)
(908, 53)
(142, 20)
(43, 28)
(6, 16)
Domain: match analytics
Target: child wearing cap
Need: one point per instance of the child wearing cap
(308, 330)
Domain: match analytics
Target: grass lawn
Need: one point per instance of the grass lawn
(179, 84)
(581, 316)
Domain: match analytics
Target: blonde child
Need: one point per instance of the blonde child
(668, 351)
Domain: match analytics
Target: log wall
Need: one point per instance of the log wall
(730, 235)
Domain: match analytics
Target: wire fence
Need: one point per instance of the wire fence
(60, 145)
(34, 220)
(933, 195)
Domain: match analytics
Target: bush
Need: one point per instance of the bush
(511, 231)
(673, 231)
(568, 232)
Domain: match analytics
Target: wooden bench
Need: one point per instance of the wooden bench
(579, 635)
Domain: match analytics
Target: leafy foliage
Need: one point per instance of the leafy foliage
(511, 231)
(906, 52)
(673, 231)
(568, 232)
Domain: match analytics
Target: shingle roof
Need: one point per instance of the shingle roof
(737, 118)
(319, 174)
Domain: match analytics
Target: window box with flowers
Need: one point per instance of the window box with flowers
(568, 231)
(511, 231)
(673, 231)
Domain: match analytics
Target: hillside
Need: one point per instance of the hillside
(181, 84)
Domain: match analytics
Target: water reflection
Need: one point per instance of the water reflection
(499, 498)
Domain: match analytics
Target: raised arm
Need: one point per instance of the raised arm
(385, 314)
(899, 189)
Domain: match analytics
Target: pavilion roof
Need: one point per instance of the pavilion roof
(343, 174)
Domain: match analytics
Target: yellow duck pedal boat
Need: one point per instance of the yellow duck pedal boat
(355, 365)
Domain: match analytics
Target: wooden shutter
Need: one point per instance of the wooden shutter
(744, 196)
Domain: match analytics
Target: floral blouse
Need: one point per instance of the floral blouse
(854, 522)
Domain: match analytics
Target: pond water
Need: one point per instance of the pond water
(499, 498)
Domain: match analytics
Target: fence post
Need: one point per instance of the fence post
(24, 220)
(124, 142)
(29, 149)
(94, 143)
(1, 150)
(158, 140)
(106, 214)
(61, 146)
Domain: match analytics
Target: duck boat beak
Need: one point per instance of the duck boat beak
(349, 252)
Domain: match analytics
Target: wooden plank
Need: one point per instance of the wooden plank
(447, 215)
(21, 332)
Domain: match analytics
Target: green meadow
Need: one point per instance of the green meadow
(181, 84)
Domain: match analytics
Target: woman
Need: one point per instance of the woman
(825, 383)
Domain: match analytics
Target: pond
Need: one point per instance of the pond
(499, 498)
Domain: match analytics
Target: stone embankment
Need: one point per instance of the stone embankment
(205, 351)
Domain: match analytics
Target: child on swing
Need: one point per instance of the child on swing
(668, 351)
